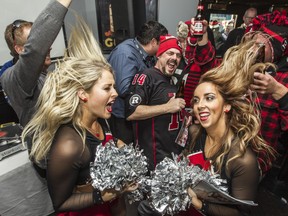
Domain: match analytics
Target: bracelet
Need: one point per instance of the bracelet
(204, 208)
(97, 197)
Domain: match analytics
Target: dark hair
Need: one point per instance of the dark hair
(150, 30)
(14, 35)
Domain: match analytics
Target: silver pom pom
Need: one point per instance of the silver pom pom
(116, 167)
(170, 181)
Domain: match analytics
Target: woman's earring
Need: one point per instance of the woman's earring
(84, 100)
(226, 110)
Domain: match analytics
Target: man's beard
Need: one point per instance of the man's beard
(167, 73)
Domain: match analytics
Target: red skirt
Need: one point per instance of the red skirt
(96, 210)
(190, 212)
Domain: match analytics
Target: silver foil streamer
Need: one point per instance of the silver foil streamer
(170, 181)
(116, 167)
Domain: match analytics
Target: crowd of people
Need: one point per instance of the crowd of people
(238, 105)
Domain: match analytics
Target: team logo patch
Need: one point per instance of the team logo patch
(135, 100)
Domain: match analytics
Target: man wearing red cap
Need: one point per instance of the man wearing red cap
(153, 107)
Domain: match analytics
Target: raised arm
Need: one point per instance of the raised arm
(43, 33)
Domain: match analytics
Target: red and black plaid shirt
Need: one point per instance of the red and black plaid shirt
(274, 119)
(199, 60)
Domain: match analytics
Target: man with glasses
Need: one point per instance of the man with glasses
(236, 34)
(16, 36)
(22, 83)
(23, 77)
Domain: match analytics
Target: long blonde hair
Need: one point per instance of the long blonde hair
(232, 79)
(58, 102)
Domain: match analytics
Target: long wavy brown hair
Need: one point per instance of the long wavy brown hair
(232, 79)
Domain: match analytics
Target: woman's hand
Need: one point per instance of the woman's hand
(266, 84)
(120, 143)
(197, 203)
(111, 194)
(131, 187)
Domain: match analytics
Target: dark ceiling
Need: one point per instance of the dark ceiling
(239, 7)
(250, 2)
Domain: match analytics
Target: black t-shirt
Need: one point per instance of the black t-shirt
(156, 136)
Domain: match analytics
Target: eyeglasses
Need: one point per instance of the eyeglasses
(16, 24)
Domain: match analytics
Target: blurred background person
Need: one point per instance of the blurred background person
(22, 83)
(228, 28)
(236, 34)
(215, 26)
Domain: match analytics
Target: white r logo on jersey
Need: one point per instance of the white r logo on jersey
(135, 100)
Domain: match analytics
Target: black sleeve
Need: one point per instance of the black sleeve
(283, 102)
(244, 177)
(66, 159)
(139, 92)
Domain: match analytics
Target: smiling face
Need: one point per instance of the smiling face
(209, 107)
(101, 97)
(168, 61)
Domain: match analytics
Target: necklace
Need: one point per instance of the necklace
(97, 131)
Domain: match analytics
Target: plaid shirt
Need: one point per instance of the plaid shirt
(274, 117)
(199, 60)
